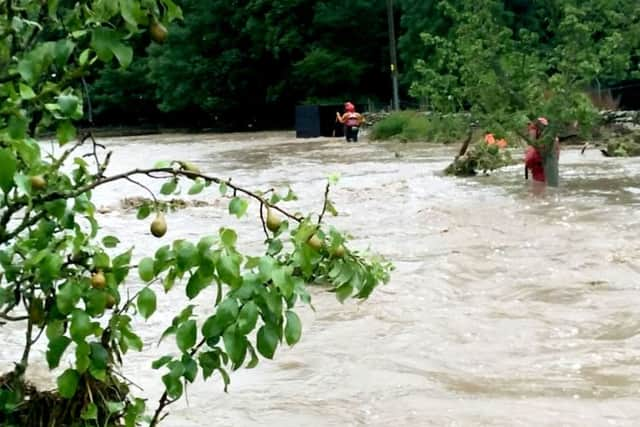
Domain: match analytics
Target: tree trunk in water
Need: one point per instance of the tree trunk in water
(550, 165)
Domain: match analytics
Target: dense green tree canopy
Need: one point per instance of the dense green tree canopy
(234, 63)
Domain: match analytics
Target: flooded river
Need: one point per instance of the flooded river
(505, 309)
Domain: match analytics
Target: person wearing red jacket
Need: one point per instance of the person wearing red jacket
(351, 120)
(533, 159)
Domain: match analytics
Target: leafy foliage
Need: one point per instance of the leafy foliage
(414, 126)
(506, 71)
(69, 285)
(230, 65)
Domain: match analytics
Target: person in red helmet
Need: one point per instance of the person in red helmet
(351, 121)
(534, 160)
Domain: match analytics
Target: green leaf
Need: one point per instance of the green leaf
(159, 363)
(144, 211)
(68, 296)
(29, 70)
(8, 166)
(186, 335)
(282, 279)
(343, 292)
(146, 302)
(290, 196)
(17, 127)
(110, 241)
(173, 10)
(225, 378)
(62, 51)
(82, 357)
(90, 412)
(223, 188)
(229, 270)
(26, 92)
(124, 54)
(173, 386)
(81, 325)
(197, 282)
(228, 237)
(265, 267)
(56, 349)
(132, 340)
(209, 362)
(334, 178)
(331, 209)
(197, 186)
(235, 345)
(247, 317)
(267, 340)
(95, 302)
(186, 255)
(114, 407)
(50, 267)
(66, 132)
(254, 357)
(68, 105)
(102, 40)
(212, 328)
(162, 164)
(145, 269)
(121, 266)
(99, 356)
(190, 368)
(293, 329)
(131, 12)
(238, 206)
(101, 260)
(28, 150)
(169, 187)
(227, 312)
(134, 412)
(84, 57)
(55, 328)
(68, 383)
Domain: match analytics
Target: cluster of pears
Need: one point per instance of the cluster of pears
(273, 224)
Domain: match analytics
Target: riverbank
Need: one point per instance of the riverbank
(618, 132)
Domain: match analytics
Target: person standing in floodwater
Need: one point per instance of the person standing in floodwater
(534, 160)
(351, 121)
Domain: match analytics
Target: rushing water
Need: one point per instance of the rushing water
(506, 308)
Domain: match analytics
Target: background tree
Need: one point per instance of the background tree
(506, 72)
(228, 65)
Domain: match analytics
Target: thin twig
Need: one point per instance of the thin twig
(264, 226)
(164, 399)
(27, 345)
(88, 97)
(155, 201)
(169, 172)
(5, 316)
(37, 336)
(325, 204)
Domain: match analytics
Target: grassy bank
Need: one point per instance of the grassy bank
(414, 126)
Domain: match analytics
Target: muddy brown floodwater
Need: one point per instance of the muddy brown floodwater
(505, 309)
